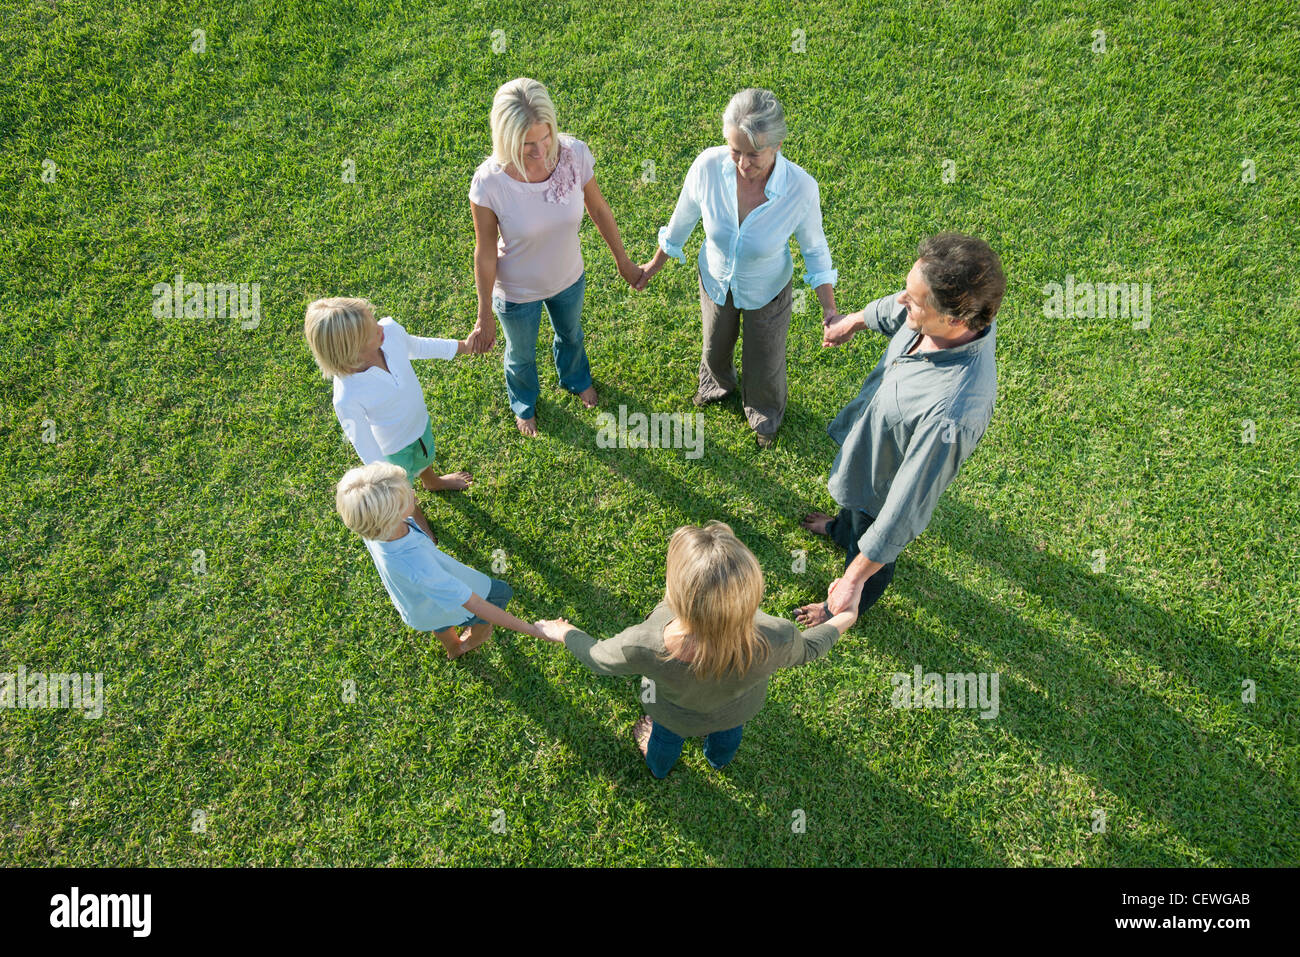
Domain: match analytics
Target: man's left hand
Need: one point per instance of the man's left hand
(844, 595)
(837, 330)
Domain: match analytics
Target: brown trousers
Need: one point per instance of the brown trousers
(762, 355)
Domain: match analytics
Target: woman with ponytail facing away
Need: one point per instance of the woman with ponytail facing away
(706, 649)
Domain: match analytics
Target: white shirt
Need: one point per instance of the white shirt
(751, 259)
(384, 412)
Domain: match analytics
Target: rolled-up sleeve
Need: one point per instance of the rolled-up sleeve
(686, 214)
(813, 247)
(934, 456)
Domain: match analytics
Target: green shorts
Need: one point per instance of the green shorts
(417, 456)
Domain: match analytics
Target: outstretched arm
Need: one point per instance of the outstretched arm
(884, 315)
(686, 214)
(816, 641)
(499, 616)
(609, 657)
(820, 272)
(600, 213)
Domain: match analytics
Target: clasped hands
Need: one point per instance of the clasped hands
(843, 595)
(554, 630)
(838, 328)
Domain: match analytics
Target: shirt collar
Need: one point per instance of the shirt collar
(979, 344)
(777, 182)
(411, 540)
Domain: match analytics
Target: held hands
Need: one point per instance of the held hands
(554, 630)
(843, 595)
(838, 329)
(648, 269)
(483, 336)
(633, 273)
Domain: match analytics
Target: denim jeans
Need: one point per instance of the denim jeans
(521, 322)
(666, 747)
(845, 529)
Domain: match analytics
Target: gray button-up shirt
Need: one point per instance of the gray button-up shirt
(906, 435)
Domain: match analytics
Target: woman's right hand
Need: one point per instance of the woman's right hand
(554, 630)
(648, 269)
(484, 335)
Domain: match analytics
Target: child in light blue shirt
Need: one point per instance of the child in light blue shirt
(430, 589)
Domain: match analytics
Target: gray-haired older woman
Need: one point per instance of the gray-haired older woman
(751, 199)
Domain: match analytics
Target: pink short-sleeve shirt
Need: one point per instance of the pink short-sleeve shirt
(538, 253)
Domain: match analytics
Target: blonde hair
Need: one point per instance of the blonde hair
(372, 499)
(337, 331)
(714, 585)
(517, 107)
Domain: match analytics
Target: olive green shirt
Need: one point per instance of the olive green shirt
(677, 699)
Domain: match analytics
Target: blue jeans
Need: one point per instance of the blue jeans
(521, 322)
(666, 747)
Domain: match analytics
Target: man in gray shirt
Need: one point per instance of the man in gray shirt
(918, 417)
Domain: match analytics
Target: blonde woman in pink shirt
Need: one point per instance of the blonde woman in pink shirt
(527, 200)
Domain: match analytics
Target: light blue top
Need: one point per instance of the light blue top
(752, 259)
(429, 588)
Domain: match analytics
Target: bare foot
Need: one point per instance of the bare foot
(455, 482)
(810, 615)
(589, 397)
(641, 733)
(527, 426)
(816, 522)
(470, 639)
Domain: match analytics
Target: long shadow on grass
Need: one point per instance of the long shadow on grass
(639, 467)
(1202, 785)
(1090, 717)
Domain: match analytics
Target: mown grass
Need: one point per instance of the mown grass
(1120, 690)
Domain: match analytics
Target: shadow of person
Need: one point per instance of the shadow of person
(742, 816)
(1074, 697)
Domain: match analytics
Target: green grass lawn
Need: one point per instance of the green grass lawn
(1121, 690)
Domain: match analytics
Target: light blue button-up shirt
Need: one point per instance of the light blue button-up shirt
(751, 259)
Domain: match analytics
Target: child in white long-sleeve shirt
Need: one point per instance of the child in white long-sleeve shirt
(377, 398)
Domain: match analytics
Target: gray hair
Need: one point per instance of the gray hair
(757, 114)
